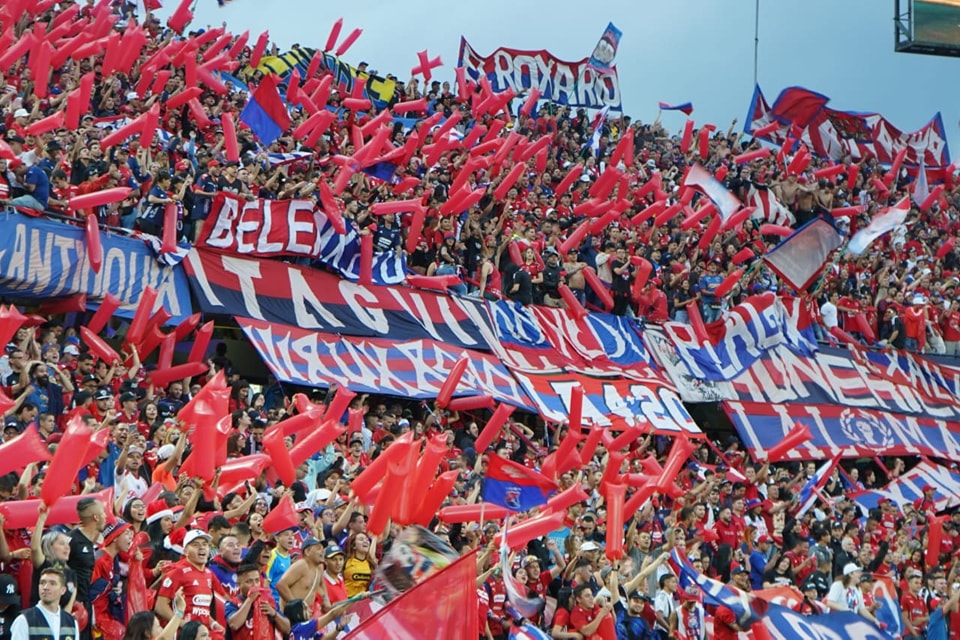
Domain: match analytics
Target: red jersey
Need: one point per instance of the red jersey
(580, 617)
(913, 608)
(336, 590)
(199, 586)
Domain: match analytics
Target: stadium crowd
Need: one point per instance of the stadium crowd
(202, 560)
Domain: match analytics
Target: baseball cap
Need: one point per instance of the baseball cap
(127, 396)
(589, 545)
(194, 535)
(102, 393)
(764, 538)
(851, 567)
(164, 452)
(213, 163)
(738, 571)
(71, 349)
(21, 113)
(635, 595)
(332, 550)
(8, 590)
(529, 560)
(309, 542)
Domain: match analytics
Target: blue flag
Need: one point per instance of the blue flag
(513, 486)
(265, 113)
(606, 50)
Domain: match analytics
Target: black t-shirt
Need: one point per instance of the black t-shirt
(82, 559)
(7, 617)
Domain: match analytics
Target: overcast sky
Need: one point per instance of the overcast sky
(672, 50)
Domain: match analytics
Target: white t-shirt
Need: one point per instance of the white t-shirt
(828, 311)
(665, 605)
(849, 597)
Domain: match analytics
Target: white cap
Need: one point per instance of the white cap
(195, 534)
(21, 113)
(165, 451)
(851, 567)
(589, 545)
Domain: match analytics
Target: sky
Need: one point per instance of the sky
(676, 51)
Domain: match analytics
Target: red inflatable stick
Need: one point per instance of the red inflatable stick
(284, 516)
(768, 229)
(230, 145)
(144, 309)
(315, 441)
(453, 380)
(275, 447)
(22, 514)
(62, 473)
(186, 327)
(98, 198)
(246, 468)
(426, 66)
(370, 476)
(573, 304)
(729, 283)
(341, 401)
(410, 105)
(687, 137)
(181, 16)
(180, 372)
(168, 243)
(436, 283)
(348, 42)
(98, 347)
(388, 495)
(637, 500)
(946, 247)
(471, 403)
(852, 175)
(438, 492)
(865, 327)
(766, 130)
(108, 307)
(366, 259)
(616, 495)
(334, 34)
(794, 438)
(259, 48)
(520, 535)
(94, 248)
(10, 321)
(199, 349)
(744, 255)
(473, 513)
(598, 287)
(572, 176)
(565, 499)
(74, 303)
(28, 447)
(492, 429)
(167, 348)
(750, 156)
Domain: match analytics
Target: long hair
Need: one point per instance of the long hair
(140, 626)
(190, 630)
(46, 546)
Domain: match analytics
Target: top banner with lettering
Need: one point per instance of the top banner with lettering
(409, 368)
(746, 332)
(575, 84)
(42, 259)
(271, 228)
(610, 402)
(315, 300)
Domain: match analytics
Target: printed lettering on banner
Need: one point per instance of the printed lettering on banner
(571, 83)
(43, 259)
(609, 402)
(313, 299)
(410, 368)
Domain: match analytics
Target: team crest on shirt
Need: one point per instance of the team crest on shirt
(167, 582)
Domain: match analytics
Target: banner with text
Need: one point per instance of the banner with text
(613, 402)
(745, 333)
(42, 259)
(845, 431)
(296, 228)
(410, 368)
(575, 84)
(312, 299)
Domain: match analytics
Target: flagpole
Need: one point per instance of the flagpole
(756, 40)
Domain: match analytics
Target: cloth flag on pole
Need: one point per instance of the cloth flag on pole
(726, 203)
(921, 189)
(606, 50)
(686, 107)
(265, 112)
(513, 486)
(442, 606)
(597, 129)
(768, 208)
(528, 607)
(811, 488)
(744, 606)
(889, 612)
(885, 221)
(801, 256)
(527, 631)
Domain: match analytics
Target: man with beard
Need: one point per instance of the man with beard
(93, 520)
(47, 396)
(224, 565)
(198, 583)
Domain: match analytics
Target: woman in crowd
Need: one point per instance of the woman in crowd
(361, 562)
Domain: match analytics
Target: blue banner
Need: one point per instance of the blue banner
(42, 258)
(744, 335)
(410, 368)
(782, 623)
(908, 488)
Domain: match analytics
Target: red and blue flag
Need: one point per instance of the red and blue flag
(513, 486)
(265, 113)
(686, 107)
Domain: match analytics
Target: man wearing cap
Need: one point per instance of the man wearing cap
(205, 187)
(9, 604)
(198, 583)
(629, 619)
(304, 579)
(240, 612)
(760, 557)
(691, 617)
(35, 184)
(108, 586)
(925, 504)
(334, 559)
